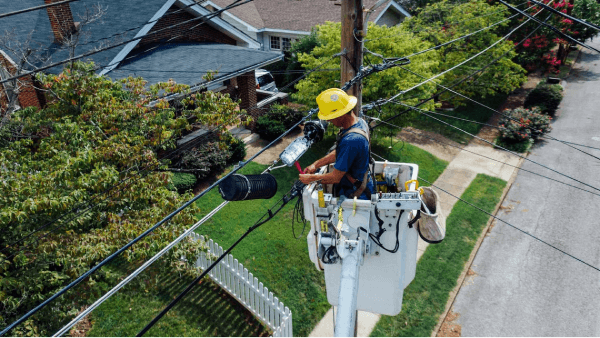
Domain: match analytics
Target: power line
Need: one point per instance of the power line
(550, 26)
(514, 227)
(465, 36)
(294, 192)
(139, 270)
(503, 221)
(447, 24)
(462, 63)
(424, 112)
(35, 8)
(384, 101)
(565, 15)
(363, 73)
(188, 145)
(487, 157)
(498, 113)
(71, 59)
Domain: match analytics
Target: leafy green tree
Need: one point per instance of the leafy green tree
(94, 145)
(458, 20)
(588, 10)
(387, 41)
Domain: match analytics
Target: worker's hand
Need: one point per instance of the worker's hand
(311, 169)
(305, 178)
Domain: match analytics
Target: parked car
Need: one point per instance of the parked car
(265, 81)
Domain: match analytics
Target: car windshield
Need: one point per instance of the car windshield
(264, 79)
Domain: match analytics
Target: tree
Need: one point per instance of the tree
(458, 20)
(388, 41)
(94, 145)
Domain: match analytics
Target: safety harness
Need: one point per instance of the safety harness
(359, 185)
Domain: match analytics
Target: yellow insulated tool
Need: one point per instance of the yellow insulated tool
(340, 219)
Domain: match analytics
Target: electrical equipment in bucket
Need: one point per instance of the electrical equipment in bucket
(380, 233)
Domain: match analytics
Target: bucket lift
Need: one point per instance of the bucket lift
(367, 249)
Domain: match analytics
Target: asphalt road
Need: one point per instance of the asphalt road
(521, 286)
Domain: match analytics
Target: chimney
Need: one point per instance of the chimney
(61, 20)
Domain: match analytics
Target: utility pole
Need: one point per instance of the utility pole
(352, 28)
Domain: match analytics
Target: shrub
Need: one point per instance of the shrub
(531, 125)
(276, 121)
(182, 182)
(205, 159)
(237, 148)
(269, 129)
(545, 96)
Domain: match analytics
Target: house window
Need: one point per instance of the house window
(287, 43)
(275, 42)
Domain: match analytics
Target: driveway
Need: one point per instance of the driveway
(520, 286)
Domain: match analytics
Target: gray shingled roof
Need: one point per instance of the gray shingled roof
(120, 16)
(291, 15)
(187, 63)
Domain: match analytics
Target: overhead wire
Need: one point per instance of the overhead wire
(426, 113)
(462, 63)
(88, 204)
(556, 30)
(484, 156)
(268, 215)
(236, 3)
(447, 24)
(185, 147)
(30, 9)
(505, 222)
(167, 218)
(513, 226)
(497, 112)
(565, 15)
(456, 83)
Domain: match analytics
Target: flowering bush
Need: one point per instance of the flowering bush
(523, 125)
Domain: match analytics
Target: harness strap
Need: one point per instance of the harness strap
(360, 185)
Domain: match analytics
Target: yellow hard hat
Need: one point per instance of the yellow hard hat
(334, 103)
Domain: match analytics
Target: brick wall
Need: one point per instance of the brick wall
(247, 92)
(202, 33)
(61, 20)
(28, 96)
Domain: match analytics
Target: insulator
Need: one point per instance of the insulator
(248, 187)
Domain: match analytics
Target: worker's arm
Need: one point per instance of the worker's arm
(326, 160)
(330, 178)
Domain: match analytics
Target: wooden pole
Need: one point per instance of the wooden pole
(352, 27)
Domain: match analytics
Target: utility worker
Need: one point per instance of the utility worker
(351, 154)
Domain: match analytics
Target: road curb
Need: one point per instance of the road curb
(469, 262)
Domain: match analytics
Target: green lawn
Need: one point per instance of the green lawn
(471, 111)
(441, 265)
(206, 311)
(272, 253)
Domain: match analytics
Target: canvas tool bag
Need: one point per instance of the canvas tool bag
(432, 222)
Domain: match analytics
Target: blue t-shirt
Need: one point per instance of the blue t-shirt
(352, 156)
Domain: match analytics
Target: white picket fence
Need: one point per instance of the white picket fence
(246, 289)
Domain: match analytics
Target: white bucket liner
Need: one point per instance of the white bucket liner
(432, 223)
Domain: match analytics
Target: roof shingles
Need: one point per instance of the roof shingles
(291, 14)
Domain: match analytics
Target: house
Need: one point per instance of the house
(277, 23)
(184, 53)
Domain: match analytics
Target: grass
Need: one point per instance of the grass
(441, 265)
(128, 311)
(272, 253)
(470, 111)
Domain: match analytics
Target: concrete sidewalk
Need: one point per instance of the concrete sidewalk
(455, 179)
